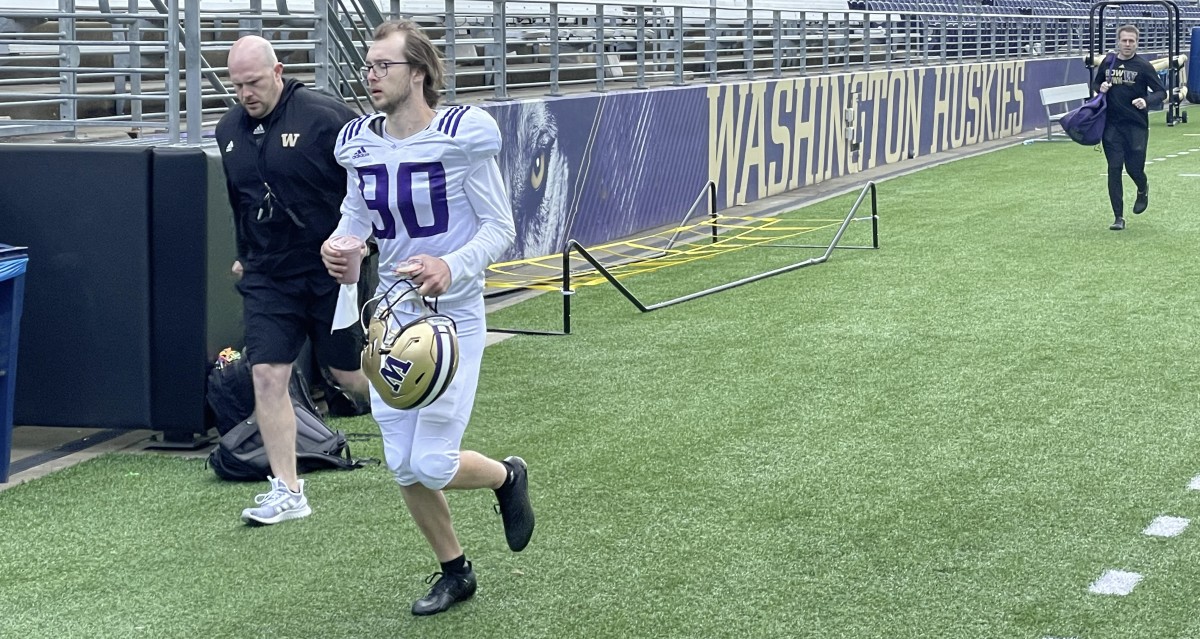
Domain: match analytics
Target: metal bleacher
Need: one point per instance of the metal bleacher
(157, 67)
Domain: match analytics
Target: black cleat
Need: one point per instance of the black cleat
(514, 506)
(1143, 199)
(1117, 225)
(448, 590)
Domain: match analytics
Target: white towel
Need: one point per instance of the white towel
(346, 313)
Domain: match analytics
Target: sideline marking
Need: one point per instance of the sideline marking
(1166, 526)
(1115, 582)
(58, 452)
(1195, 483)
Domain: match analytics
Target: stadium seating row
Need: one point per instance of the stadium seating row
(1015, 7)
(496, 45)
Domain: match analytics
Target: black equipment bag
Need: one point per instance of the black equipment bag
(230, 393)
(241, 456)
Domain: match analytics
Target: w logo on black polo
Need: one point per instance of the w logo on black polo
(289, 139)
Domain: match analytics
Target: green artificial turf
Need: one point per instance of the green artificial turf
(952, 436)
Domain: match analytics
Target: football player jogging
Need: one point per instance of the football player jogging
(427, 185)
(1132, 87)
(285, 188)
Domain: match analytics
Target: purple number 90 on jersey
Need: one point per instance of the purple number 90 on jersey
(419, 187)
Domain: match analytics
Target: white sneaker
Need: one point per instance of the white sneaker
(280, 504)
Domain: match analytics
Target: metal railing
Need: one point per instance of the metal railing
(156, 68)
(148, 68)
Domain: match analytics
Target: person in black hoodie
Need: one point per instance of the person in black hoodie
(286, 189)
(1132, 87)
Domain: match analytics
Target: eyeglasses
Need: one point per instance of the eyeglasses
(381, 68)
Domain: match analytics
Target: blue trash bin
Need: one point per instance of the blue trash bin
(13, 260)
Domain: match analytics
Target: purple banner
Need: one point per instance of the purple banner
(597, 167)
(600, 167)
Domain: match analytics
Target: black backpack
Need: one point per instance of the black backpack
(241, 456)
(230, 393)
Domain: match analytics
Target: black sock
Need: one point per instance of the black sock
(508, 476)
(456, 566)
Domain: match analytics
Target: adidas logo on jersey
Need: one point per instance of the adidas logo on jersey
(259, 130)
(229, 147)
(360, 153)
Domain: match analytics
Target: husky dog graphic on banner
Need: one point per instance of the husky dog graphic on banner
(597, 168)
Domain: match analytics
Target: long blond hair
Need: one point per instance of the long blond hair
(420, 54)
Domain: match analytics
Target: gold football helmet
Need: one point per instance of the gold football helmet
(412, 365)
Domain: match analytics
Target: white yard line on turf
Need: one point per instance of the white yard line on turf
(1115, 582)
(1166, 526)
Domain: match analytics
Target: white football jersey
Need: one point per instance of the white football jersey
(437, 192)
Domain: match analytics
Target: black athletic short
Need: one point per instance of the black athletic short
(280, 313)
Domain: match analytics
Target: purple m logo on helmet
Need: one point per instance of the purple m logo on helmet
(394, 371)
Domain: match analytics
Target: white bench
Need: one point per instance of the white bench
(1057, 102)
